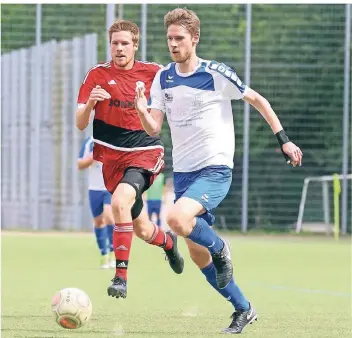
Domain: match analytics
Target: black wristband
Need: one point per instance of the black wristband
(282, 137)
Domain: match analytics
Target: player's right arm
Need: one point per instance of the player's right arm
(89, 95)
(152, 120)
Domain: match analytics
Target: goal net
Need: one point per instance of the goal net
(316, 209)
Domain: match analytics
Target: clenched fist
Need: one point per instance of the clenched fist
(293, 152)
(98, 94)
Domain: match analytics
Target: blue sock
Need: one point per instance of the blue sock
(100, 234)
(204, 235)
(232, 290)
(109, 229)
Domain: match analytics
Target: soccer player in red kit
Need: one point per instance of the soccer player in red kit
(131, 158)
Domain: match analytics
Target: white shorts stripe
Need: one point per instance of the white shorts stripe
(158, 166)
(127, 149)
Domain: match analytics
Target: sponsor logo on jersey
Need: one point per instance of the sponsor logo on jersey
(168, 97)
(169, 79)
(121, 104)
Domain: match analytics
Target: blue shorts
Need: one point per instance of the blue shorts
(154, 206)
(208, 186)
(97, 199)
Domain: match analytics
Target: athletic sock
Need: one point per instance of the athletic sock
(110, 230)
(204, 235)
(231, 292)
(122, 241)
(160, 238)
(100, 235)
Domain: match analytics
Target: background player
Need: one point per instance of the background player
(154, 197)
(131, 158)
(196, 96)
(100, 203)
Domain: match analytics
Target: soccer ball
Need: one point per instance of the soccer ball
(71, 307)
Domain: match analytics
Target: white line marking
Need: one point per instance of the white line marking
(290, 288)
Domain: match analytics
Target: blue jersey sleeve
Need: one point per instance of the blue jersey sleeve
(86, 148)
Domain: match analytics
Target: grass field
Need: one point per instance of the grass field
(301, 287)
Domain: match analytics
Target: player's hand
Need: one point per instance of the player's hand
(140, 101)
(98, 94)
(293, 152)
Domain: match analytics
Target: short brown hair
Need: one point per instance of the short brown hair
(124, 25)
(183, 17)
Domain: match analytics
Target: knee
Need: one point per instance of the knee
(179, 223)
(99, 222)
(121, 205)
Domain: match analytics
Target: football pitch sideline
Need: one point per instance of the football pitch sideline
(301, 287)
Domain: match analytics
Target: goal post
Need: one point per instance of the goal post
(325, 198)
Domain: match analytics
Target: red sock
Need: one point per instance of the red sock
(122, 240)
(160, 238)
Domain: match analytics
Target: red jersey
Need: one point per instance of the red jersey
(116, 123)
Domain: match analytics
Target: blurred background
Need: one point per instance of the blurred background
(297, 56)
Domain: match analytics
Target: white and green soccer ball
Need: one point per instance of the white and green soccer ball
(71, 307)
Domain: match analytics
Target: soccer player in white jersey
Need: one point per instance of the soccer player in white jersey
(100, 204)
(195, 95)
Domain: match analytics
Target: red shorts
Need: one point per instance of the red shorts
(115, 163)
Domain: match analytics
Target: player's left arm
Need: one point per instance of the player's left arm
(85, 162)
(85, 159)
(292, 153)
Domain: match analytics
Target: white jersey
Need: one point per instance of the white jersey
(199, 113)
(95, 175)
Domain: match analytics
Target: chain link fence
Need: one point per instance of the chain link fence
(297, 63)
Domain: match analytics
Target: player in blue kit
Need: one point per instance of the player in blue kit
(100, 204)
(195, 95)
